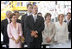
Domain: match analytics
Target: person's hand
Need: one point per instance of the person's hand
(12, 38)
(33, 33)
(19, 38)
(36, 36)
(48, 40)
(17, 41)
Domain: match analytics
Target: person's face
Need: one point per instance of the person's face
(8, 15)
(30, 8)
(35, 9)
(14, 18)
(17, 14)
(40, 14)
(69, 16)
(48, 19)
(61, 18)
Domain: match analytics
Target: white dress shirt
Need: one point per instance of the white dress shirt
(29, 13)
(35, 17)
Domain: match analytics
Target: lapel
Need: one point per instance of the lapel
(36, 19)
(6, 21)
(32, 19)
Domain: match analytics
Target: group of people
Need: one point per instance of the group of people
(34, 29)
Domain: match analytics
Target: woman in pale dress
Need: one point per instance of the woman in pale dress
(14, 33)
(49, 31)
(61, 35)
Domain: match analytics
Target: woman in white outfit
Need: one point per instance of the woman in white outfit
(61, 35)
(49, 31)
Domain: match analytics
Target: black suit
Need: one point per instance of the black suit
(69, 29)
(31, 25)
(4, 24)
(22, 22)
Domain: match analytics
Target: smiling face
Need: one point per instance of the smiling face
(14, 18)
(61, 17)
(30, 8)
(68, 16)
(48, 18)
(17, 14)
(35, 9)
(8, 14)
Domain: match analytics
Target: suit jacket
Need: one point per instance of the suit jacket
(31, 25)
(69, 26)
(4, 24)
(49, 31)
(22, 23)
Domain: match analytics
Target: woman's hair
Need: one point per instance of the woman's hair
(47, 14)
(13, 14)
(60, 15)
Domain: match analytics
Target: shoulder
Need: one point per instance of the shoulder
(4, 20)
(18, 20)
(40, 18)
(30, 16)
(24, 15)
(9, 25)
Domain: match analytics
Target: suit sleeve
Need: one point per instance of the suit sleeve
(69, 27)
(2, 27)
(41, 28)
(27, 29)
(22, 23)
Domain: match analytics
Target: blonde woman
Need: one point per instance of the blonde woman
(61, 35)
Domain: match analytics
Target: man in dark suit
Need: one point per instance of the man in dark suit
(4, 24)
(34, 25)
(69, 29)
(29, 12)
(68, 18)
(68, 21)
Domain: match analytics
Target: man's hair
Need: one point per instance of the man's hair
(68, 13)
(8, 12)
(29, 5)
(16, 11)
